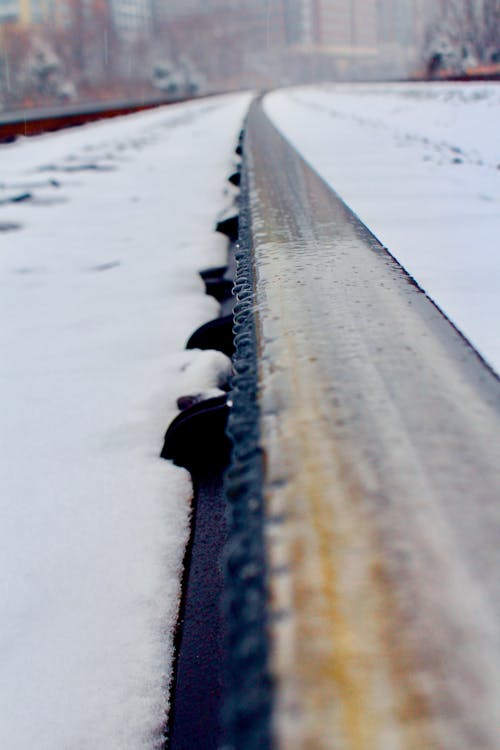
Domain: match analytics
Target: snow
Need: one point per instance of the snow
(420, 165)
(99, 291)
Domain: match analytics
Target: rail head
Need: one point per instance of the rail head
(379, 432)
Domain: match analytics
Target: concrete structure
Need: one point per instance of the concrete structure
(345, 23)
(131, 17)
(401, 31)
(298, 21)
(395, 21)
(334, 38)
(331, 23)
(9, 11)
(25, 12)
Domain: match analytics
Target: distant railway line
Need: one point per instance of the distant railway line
(34, 121)
(29, 122)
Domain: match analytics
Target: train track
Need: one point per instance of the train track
(362, 606)
(29, 122)
(363, 591)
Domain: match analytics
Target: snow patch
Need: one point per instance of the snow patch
(98, 295)
(419, 164)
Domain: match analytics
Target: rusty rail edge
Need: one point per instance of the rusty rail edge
(364, 608)
(35, 121)
(248, 692)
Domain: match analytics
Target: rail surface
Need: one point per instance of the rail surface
(378, 457)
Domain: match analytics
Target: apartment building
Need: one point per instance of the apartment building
(9, 11)
(131, 17)
(297, 22)
(402, 26)
(26, 12)
(345, 23)
(331, 24)
(398, 21)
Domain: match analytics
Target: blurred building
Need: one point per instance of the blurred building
(395, 21)
(372, 38)
(401, 30)
(131, 17)
(335, 38)
(9, 11)
(331, 23)
(230, 43)
(345, 23)
(297, 21)
(26, 12)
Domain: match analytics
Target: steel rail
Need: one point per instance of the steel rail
(379, 427)
(34, 121)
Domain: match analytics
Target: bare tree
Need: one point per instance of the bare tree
(464, 31)
(491, 23)
(17, 46)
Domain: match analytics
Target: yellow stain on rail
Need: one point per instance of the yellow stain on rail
(337, 676)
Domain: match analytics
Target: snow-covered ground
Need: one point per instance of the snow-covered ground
(420, 165)
(98, 292)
